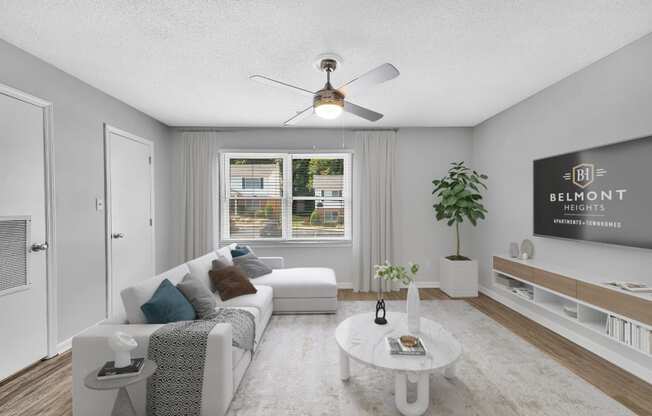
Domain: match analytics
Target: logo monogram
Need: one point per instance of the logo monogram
(583, 175)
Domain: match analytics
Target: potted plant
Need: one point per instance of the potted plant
(457, 198)
(394, 272)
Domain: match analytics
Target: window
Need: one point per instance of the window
(253, 183)
(331, 216)
(285, 196)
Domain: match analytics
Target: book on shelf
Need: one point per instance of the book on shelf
(396, 347)
(524, 292)
(631, 286)
(629, 333)
(110, 371)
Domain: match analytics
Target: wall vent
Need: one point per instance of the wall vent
(14, 235)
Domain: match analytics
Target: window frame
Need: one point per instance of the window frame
(287, 197)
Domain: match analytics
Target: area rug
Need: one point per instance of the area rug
(295, 372)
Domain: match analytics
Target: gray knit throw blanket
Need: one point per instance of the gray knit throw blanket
(179, 351)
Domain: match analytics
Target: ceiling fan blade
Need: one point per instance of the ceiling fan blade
(269, 81)
(298, 117)
(383, 73)
(365, 113)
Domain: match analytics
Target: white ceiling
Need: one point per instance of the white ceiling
(187, 62)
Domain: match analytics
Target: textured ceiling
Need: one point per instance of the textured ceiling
(187, 62)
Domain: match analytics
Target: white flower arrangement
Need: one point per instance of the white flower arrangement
(390, 272)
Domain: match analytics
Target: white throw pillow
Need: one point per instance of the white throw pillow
(200, 267)
(224, 254)
(133, 297)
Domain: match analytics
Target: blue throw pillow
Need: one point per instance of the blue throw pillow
(168, 304)
(239, 251)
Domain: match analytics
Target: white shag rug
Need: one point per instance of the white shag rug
(295, 372)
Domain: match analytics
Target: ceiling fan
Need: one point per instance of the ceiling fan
(329, 102)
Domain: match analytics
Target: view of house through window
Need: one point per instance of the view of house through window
(285, 196)
(317, 211)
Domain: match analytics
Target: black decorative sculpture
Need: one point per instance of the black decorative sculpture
(380, 307)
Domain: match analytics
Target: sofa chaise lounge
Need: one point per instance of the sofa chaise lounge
(292, 290)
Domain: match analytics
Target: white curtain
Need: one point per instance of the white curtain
(196, 168)
(375, 153)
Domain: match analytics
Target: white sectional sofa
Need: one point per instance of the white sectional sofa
(294, 290)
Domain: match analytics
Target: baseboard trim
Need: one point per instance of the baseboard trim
(428, 285)
(421, 285)
(64, 346)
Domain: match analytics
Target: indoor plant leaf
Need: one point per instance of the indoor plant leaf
(457, 197)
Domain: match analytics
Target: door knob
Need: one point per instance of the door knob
(118, 235)
(39, 247)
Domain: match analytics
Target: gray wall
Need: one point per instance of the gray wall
(423, 154)
(606, 102)
(79, 113)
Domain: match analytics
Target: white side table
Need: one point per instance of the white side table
(123, 405)
(359, 338)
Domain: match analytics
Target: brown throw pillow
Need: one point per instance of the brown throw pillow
(231, 282)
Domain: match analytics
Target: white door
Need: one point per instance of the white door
(23, 273)
(130, 214)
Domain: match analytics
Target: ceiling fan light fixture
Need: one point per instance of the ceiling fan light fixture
(329, 111)
(328, 103)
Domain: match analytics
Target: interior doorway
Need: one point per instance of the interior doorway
(130, 213)
(27, 242)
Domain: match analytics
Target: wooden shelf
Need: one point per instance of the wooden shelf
(594, 302)
(635, 307)
(632, 307)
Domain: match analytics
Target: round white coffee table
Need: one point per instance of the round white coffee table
(361, 339)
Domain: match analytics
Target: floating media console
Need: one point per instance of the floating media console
(612, 323)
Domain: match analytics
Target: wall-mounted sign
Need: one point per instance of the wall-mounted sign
(601, 194)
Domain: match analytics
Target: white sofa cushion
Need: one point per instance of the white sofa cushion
(261, 299)
(200, 267)
(224, 254)
(260, 304)
(133, 297)
(304, 305)
(300, 282)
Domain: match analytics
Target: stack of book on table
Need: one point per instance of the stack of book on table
(110, 371)
(396, 346)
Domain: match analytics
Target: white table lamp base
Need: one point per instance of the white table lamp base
(122, 359)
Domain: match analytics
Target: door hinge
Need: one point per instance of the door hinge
(150, 160)
(150, 222)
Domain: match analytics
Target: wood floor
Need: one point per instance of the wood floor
(45, 388)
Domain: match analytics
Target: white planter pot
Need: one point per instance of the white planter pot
(459, 279)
